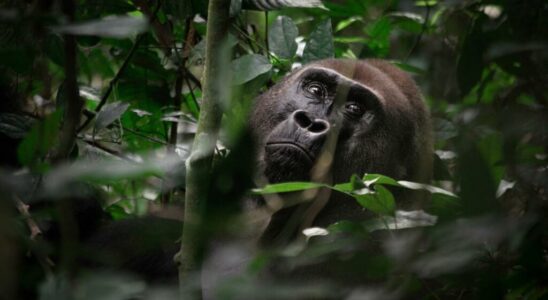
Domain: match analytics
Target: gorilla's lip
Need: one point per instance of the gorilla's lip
(293, 145)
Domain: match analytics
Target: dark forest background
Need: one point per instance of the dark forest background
(99, 101)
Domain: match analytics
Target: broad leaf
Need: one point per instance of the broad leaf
(281, 37)
(320, 44)
(110, 113)
(249, 67)
(381, 201)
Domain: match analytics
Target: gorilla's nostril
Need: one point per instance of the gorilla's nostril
(302, 119)
(319, 126)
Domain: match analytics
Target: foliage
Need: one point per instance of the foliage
(482, 67)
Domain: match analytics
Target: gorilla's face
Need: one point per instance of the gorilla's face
(319, 102)
(373, 120)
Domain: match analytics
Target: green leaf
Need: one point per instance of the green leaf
(110, 113)
(407, 21)
(347, 22)
(117, 212)
(379, 179)
(343, 187)
(320, 43)
(350, 39)
(379, 36)
(281, 37)
(381, 201)
(380, 29)
(422, 3)
(249, 67)
(287, 187)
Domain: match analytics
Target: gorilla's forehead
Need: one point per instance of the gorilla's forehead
(357, 70)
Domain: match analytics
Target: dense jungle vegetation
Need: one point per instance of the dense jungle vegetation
(101, 101)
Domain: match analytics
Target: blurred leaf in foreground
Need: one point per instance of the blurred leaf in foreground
(113, 27)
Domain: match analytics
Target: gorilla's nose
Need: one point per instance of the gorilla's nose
(303, 120)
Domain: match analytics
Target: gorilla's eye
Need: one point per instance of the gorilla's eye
(317, 89)
(354, 109)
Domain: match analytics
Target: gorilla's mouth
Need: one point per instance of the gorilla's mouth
(293, 146)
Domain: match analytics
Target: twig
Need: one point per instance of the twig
(35, 235)
(24, 211)
(200, 162)
(192, 77)
(249, 38)
(118, 75)
(151, 139)
(191, 90)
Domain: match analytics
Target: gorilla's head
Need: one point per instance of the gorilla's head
(375, 111)
(334, 118)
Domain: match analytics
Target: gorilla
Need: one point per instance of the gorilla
(367, 116)
(323, 122)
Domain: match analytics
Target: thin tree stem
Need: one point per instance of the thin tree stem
(200, 161)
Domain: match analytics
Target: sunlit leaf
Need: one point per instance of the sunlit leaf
(379, 179)
(281, 37)
(114, 27)
(426, 187)
(287, 187)
(315, 231)
(347, 22)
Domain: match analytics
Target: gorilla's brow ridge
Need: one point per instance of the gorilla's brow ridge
(342, 78)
